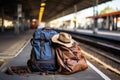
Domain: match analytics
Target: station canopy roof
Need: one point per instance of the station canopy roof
(117, 13)
(53, 8)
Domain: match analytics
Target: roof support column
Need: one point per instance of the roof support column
(111, 27)
(19, 15)
(115, 22)
(75, 19)
(107, 22)
(63, 23)
(95, 13)
(2, 29)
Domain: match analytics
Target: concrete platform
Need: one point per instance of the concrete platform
(91, 73)
(10, 43)
(109, 35)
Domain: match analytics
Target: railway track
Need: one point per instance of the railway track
(109, 45)
(111, 49)
(107, 50)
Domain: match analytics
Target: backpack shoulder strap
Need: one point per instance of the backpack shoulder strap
(42, 37)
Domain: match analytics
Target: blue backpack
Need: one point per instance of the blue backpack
(43, 57)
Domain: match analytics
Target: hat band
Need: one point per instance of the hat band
(62, 41)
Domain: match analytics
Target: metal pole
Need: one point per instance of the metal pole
(63, 24)
(2, 29)
(95, 13)
(75, 12)
(19, 14)
(116, 23)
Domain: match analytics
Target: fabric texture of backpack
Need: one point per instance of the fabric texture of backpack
(70, 60)
(43, 57)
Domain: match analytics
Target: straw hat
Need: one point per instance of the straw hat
(63, 39)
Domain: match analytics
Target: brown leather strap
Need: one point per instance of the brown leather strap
(48, 72)
(18, 70)
(52, 47)
(53, 52)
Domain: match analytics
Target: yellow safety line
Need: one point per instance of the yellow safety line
(101, 62)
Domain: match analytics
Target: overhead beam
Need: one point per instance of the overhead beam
(79, 7)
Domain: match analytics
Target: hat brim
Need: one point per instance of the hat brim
(55, 40)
